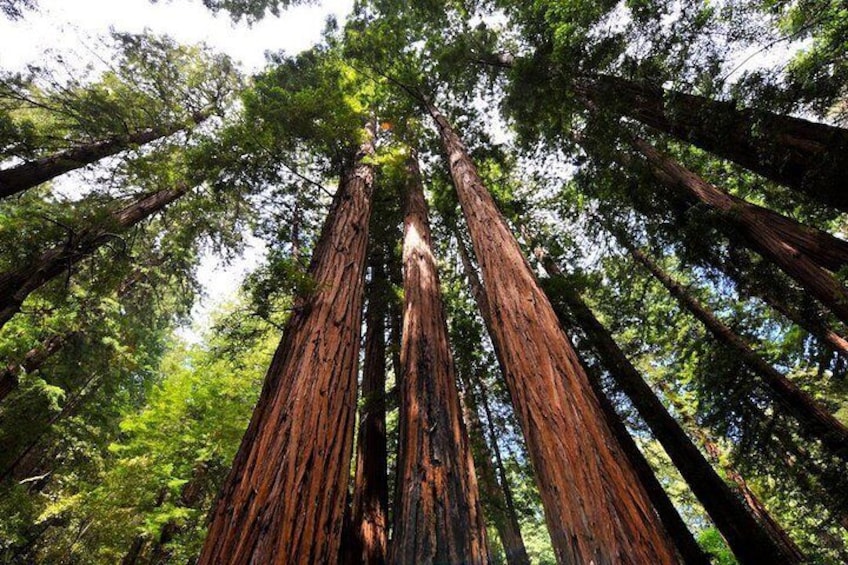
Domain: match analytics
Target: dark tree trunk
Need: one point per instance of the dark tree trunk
(33, 360)
(17, 284)
(32, 173)
(750, 541)
(438, 517)
(798, 250)
(595, 508)
(809, 157)
(190, 497)
(284, 498)
(369, 508)
(816, 421)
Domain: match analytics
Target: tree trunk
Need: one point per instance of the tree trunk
(438, 517)
(190, 497)
(813, 418)
(32, 361)
(798, 250)
(749, 540)
(17, 284)
(284, 498)
(595, 508)
(806, 156)
(32, 173)
(371, 482)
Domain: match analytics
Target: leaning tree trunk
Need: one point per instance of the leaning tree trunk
(747, 537)
(814, 420)
(17, 284)
(32, 173)
(800, 251)
(438, 517)
(369, 509)
(33, 360)
(809, 157)
(284, 498)
(595, 508)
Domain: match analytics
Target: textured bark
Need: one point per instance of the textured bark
(595, 508)
(809, 157)
(800, 251)
(32, 173)
(371, 483)
(283, 501)
(438, 517)
(17, 284)
(32, 361)
(814, 420)
(745, 532)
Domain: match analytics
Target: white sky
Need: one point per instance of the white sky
(72, 27)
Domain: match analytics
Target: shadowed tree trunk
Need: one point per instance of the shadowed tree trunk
(809, 157)
(745, 533)
(284, 498)
(595, 508)
(32, 173)
(438, 517)
(33, 360)
(369, 509)
(17, 284)
(802, 252)
(813, 418)
(191, 496)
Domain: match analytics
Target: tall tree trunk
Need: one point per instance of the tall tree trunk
(438, 517)
(32, 173)
(809, 157)
(17, 284)
(285, 495)
(33, 360)
(813, 418)
(798, 250)
(750, 541)
(190, 497)
(370, 485)
(595, 508)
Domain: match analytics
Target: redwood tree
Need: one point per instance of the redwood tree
(595, 508)
(438, 517)
(284, 497)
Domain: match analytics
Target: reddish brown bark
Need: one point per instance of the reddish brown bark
(32, 173)
(750, 536)
(284, 498)
(809, 157)
(19, 283)
(800, 251)
(816, 421)
(370, 486)
(438, 517)
(595, 508)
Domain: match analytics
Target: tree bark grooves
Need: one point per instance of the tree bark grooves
(32, 173)
(438, 517)
(284, 498)
(369, 508)
(809, 157)
(814, 420)
(747, 537)
(595, 508)
(17, 284)
(798, 250)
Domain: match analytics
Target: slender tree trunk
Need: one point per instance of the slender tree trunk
(813, 418)
(190, 497)
(33, 360)
(746, 535)
(32, 173)
(809, 157)
(371, 486)
(17, 284)
(802, 258)
(595, 508)
(284, 498)
(438, 517)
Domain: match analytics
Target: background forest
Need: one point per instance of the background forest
(673, 174)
